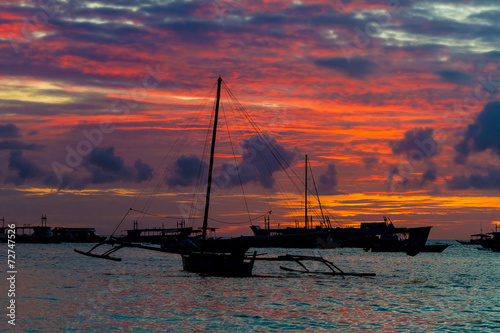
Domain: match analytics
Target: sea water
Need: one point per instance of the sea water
(58, 290)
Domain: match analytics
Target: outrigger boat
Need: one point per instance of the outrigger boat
(217, 257)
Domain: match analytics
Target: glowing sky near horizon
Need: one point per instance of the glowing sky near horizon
(395, 102)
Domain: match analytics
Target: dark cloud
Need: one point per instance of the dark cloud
(24, 168)
(483, 134)
(426, 24)
(14, 144)
(493, 54)
(186, 171)
(370, 162)
(266, 156)
(418, 141)
(454, 76)
(327, 182)
(429, 176)
(490, 15)
(418, 147)
(144, 171)
(261, 158)
(101, 165)
(357, 68)
(9, 131)
(105, 167)
(396, 180)
(105, 159)
(174, 8)
(489, 180)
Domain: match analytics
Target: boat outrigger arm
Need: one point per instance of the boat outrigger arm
(118, 244)
(333, 270)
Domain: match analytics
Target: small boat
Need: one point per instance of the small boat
(77, 235)
(158, 235)
(476, 239)
(492, 244)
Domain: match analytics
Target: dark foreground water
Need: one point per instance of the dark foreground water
(58, 290)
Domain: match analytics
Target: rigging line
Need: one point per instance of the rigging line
(182, 137)
(212, 219)
(270, 148)
(259, 132)
(157, 215)
(199, 178)
(201, 168)
(123, 219)
(242, 222)
(235, 163)
(179, 143)
(273, 151)
(317, 194)
(333, 217)
(240, 131)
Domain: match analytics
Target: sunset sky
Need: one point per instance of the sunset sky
(395, 102)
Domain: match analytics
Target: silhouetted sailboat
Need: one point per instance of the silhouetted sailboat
(216, 256)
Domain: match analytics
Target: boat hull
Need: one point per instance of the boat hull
(216, 264)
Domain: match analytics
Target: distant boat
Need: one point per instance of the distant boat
(43, 234)
(368, 236)
(158, 235)
(476, 239)
(31, 234)
(488, 241)
(76, 235)
(494, 243)
(325, 236)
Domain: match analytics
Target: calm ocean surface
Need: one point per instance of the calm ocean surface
(58, 290)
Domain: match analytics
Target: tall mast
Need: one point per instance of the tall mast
(305, 196)
(211, 166)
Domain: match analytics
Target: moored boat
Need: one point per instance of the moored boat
(476, 239)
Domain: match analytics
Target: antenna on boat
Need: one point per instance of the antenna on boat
(211, 166)
(44, 220)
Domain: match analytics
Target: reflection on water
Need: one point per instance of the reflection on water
(457, 290)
